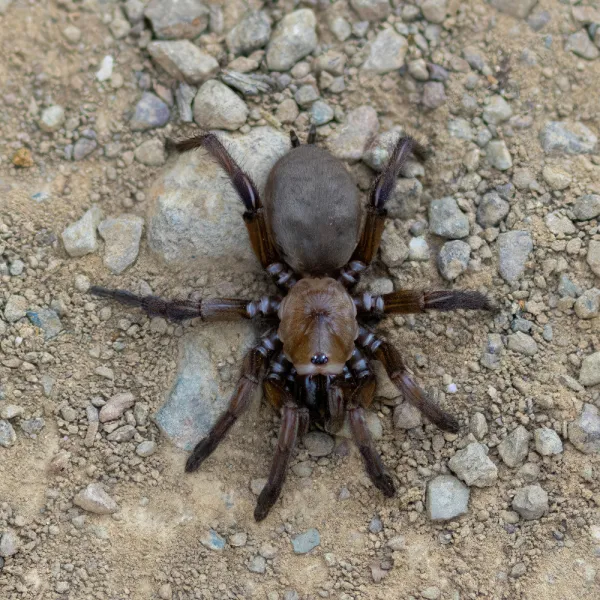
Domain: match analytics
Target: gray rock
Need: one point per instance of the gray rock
(183, 60)
(559, 224)
(151, 153)
(193, 212)
(249, 84)
(567, 137)
(531, 502)
(514, 248)
(435, 10)
(134, 9)
(378, 152)
(587, 207)
(52, 118)
(293, 39)
(116, 406)
(372, 10)
(407, 416)
(177, 19)
(584, 432)
(331, 62)
(318, 443)
(418, 249)
(373, 425)
(7, 434)
(257, 565)
(218, 107)
(580, 44)
(566, 288)
(491, 210)
(514, 447)
(83, 147)
(393, 249)
(251, 33)
(418, 69)
(150, 112)
(122, 237)
(453, 259)
(350, 140)
(184, 96)
(47, 320)
(590, 370)
(122, 434)
(9, 543)
(434, 95)
(447, 498)
(461, 129)
(238, 540)
(305, 542)
(306, 95)
(321, 113)
(447, 220)
(547, 441)
(198, 396)
(593, 256)
(478, 425)
(79, 238)
(11, 411)
(556, 178)
(522, 343)
(386, 52)
(15, 308)
(146, 448)
(498, 156)
(497, 111)
(587, 305)
(515, 8)
(95, 500)
(340, 28)
(473, 466)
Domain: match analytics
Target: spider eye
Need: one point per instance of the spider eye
(319, 359)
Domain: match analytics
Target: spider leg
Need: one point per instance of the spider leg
(414, 301)
(209, 309)
(262, 241)
(312, 134)
(402, 378)
(361, 398)
(292, 417)
(382, 188)
(255, 360)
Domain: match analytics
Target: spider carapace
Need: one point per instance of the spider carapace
(315, 361)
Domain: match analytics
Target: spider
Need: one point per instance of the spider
(314, 363)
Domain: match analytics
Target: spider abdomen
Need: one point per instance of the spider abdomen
(313, 210)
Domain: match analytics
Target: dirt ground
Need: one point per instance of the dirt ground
(370, 547)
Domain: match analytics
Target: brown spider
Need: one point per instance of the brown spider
(315, 363)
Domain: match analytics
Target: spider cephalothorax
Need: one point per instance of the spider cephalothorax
(315, 363)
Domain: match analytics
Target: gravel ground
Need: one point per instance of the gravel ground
(98, 403)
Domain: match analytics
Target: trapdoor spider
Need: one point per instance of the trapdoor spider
(314, 364)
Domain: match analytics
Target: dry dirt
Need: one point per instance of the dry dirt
(152, 545)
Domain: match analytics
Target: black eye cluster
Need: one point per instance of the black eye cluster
(319, 359)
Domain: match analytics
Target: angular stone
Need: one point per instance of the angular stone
(522, 343)
(497, 111)
(151, 153)
(7, 434)
(515, 8)
(584, 432)
(52, 118)
(95, 500)
(593, 256)
(473, 466)
(590, 370)
(547, 441)
(587, 207)
(580, 44)
(150, 112)
(251, 33)
(9, 543)
(498, 155)
(177, 19)
(318, 443)
(491, 210)
(183, 60)
(453, 259)
(587, 305)
(350, 139)
(531, 502)
(216, 106)
(293, 39)
(305, 542)
(407, 416)
(567, 137)
(122, 237)
(372, 10)
(447, 220)
(559, 224)
(47, 320)
(514, 248)
(447, 498)
(79, 238)
(386, 52)
(514, 447)
(15, 308)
